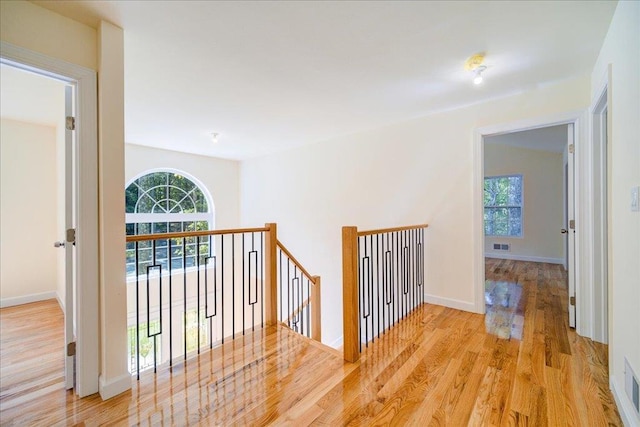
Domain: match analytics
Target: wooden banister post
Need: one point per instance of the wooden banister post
(350, 293)
(316, 310)
(271, 275)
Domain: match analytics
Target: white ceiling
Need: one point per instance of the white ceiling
(552, 138)
(269, 76)
(30, 97)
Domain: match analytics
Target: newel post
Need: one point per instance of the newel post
(316, 310)
(271, 274)
(350, 293)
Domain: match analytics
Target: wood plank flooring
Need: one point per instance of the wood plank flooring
(437, 367)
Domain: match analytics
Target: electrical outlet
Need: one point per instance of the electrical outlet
(635, 199)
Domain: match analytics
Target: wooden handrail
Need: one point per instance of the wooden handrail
(144, 237)
(295, 261)
(391, 230)
(296, 311)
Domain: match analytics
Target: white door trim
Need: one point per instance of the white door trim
(86, 179)
(579, 119)
(600, 292)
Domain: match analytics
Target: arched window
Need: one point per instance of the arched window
(165, 202)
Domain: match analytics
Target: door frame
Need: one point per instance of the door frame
(580, 121)
(86, 181)
(600, 272)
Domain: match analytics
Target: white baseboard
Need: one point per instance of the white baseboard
(114, 387)
(26, 299)
(337, 343)
(625, 407)
(524, 258)
(451, 303)
(60, 301)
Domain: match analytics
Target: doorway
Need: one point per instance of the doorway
(37, 209)
(85, 185)
(573, 119)
(525, 207)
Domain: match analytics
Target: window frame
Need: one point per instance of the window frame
(151, 218)
(521, 207)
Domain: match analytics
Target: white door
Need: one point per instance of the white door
(570, 230)
(69, 245)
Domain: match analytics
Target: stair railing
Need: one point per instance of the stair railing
(193, 290)
(299, 295)
(383, 281)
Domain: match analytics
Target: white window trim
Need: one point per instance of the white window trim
(521, 206)
(137, 218)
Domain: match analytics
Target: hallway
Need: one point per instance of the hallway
(437, 367)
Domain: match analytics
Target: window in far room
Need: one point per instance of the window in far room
(503, 206)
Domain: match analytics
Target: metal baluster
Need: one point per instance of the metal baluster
(370, 285)
(396, 293)
(149, 334)
(299, 317)
(253, 301)
(280, 265)
(308, 308)
(206, 291)
(233, 286)
(222, 283)
(137, 313)
(243, 284)
(360, 307)
(288, 293)
(378, 279)
(261, 258)
(198, 289)
(184, 283)
(170, 305)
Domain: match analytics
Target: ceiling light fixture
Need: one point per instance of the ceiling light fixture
(477, 79)
(214, 138)
(474, 64)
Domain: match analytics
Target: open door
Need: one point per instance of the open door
(69, 244)
(570, 228)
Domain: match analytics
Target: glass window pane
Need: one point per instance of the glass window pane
(165, 192)
(503, 205)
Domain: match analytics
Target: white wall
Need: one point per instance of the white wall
(114, 375)
(409, 173)
(621, 49)
(221, 177)
(542, 174)
(56, 35)
(28, 211)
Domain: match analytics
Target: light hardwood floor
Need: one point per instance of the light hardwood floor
(437, 367)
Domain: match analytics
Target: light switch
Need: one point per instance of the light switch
(635, 199)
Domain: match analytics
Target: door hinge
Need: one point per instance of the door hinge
(71, 349)
(572, 224)
(572, 148)
(572, 301)
(71, 123)
(71, 235)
